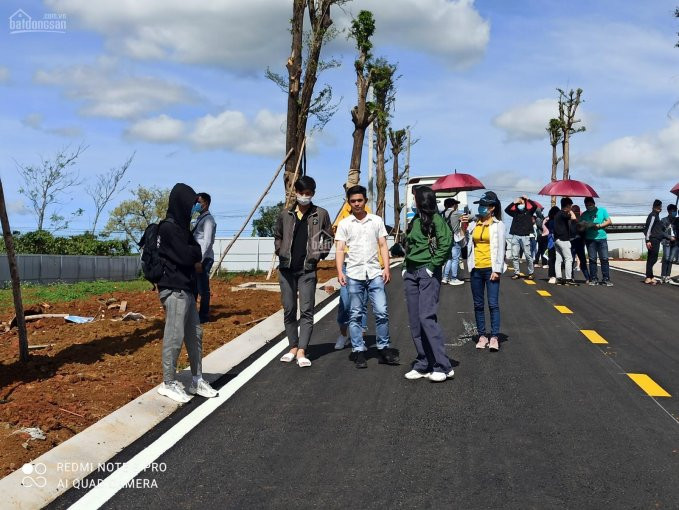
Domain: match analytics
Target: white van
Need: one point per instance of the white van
(428, 180)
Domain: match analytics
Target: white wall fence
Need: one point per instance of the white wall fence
(45, 269)
(252, 253)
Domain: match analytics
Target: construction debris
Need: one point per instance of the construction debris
(133, 316)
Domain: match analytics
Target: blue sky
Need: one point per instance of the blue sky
(182, 84)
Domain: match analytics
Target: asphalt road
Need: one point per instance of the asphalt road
(550, 421)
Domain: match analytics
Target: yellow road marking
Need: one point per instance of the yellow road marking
(647, 384)
(563, 309)
(593, 336)
(529, 282)
(544, 293)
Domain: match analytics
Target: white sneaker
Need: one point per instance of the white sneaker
(455, 281)
(342, 342)
(414, 374)
(175, 391)
(450, 374)
(437, 377)
(445, 280)
(673, 282)
(552, 280)
(203, 389)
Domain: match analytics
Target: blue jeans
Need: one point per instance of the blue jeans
(519, 243)
(598, 247)
(670, 255)
(480, 280)
(204, 290)
(359, 292)
(344, 305)
(453, 263)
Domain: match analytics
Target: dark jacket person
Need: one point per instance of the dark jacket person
(181, 255)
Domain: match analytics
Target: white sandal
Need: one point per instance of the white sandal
(303, 362)
(287, 358)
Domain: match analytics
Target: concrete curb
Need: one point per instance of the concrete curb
(54, 472)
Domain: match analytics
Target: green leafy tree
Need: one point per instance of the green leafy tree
(45, 243)
(263, 226)
(363, 114)
(147, 205)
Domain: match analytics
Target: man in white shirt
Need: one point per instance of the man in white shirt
(204, 234)
(363, 234)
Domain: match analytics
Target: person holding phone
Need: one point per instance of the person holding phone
(453, 217)
(486, 261)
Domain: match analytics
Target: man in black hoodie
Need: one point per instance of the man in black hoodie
(521, 211)
(181, 256)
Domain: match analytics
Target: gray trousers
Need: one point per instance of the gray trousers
(517, 243)
(294, 284)
(422, 297)
(181, 324)
(565, 256)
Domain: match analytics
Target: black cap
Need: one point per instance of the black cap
(488, 198)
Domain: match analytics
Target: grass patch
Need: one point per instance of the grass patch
(60, 292)
(228, 276)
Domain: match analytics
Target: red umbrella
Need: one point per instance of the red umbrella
(568, 188)
(457, 182)
(675, 190)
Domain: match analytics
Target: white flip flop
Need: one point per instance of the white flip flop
(287, 358)
(303, 362)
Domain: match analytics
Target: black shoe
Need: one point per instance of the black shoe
(560, 281)
(607, 283)
(389, 357)
(516, 276)
(359, 360)
(530, 277)
(572, 283)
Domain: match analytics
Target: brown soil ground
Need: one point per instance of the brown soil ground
(89, 370)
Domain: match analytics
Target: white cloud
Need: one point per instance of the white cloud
(160, 129)
(17, 207)
(245, 36)
(529, 122)
(650, 156)
(264, 135)
(249, 36)
(510, 184)
(106, 93)
(4, 75)
(35, 121)
(452, 30)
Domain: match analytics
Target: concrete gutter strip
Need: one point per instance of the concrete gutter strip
(69, 462)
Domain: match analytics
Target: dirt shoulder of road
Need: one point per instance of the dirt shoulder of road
(86, 371)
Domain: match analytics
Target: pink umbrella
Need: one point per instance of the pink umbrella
(457, 182)
(568, 188)
(675, 190)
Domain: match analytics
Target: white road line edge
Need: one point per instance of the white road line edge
(110, 486)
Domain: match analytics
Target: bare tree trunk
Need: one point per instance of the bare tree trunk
(381, 180)
(566, 159)
(396, 181)
(14, 274)
(294, 67)
(354, 177)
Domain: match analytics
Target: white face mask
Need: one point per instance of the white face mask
(302, 200)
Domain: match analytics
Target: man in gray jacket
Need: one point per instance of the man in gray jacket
(204, 233)
(302, 238)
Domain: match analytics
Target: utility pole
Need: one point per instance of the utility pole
(407, 174)
(371, 141)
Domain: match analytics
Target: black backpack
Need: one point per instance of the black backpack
(152, 265)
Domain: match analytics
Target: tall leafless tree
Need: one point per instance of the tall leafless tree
(568, 105)
(106, 187)
(303, 74)
(44, 183)
(397, 140)
(383, 84)
(555, 135)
